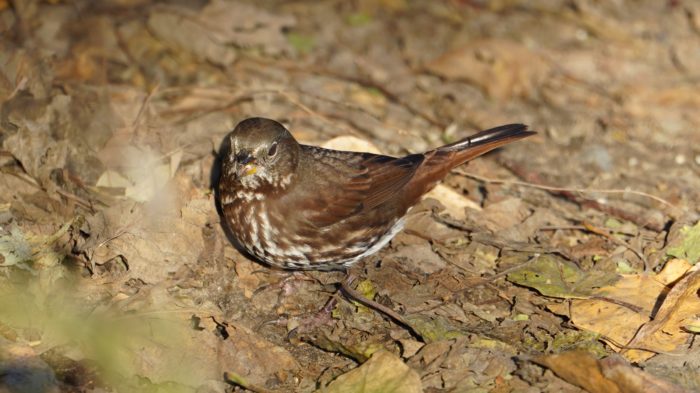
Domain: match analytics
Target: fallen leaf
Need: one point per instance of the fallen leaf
(456, 204)
(609, 375)
(419, 257)
(581, 369)
(467, 363)
(19, 247)
(156, 238)
(504, 214)
(596, 315)
(382, 373)
(14, 248)
(631, 301)
(351, 143)
(557, 278)
(631, 379)
(144, 173)
(689, 247)
(666, 332)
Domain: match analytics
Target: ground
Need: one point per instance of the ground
(565, 262)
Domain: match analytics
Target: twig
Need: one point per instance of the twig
(509, 270)
(66, 194)
(493, 240)
(569, 189)
(570, 194)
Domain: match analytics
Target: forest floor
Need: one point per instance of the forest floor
(565, 262)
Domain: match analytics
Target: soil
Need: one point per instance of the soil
(565, 262)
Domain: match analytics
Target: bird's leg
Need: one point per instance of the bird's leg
(323, 316)
(286, 286)
(315, 320)
(352, 294)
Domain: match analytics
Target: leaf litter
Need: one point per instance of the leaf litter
(558, 264)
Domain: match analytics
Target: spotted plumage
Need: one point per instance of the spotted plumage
(303, 207)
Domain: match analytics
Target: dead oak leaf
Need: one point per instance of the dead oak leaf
(666, 332)
(622, 312)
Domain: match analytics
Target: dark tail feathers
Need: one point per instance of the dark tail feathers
(485, 141)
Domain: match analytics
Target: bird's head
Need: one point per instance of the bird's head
(262, 154)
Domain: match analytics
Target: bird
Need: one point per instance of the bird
(301, 207)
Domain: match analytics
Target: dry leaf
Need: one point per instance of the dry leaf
(596, 316)
(581, 369)
(666, 332)
(630, 303)
(610, 375)
(382, 373)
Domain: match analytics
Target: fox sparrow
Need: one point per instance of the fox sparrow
(303, 207)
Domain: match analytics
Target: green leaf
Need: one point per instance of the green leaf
(359, 19)
(302, 43)
(689, 247)
(560, 279)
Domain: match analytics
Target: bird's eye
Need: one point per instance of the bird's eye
(272, 150)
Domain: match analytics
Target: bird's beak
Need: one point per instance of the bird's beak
(245, 164)
(247, 170)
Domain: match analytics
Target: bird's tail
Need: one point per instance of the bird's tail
(485, 141)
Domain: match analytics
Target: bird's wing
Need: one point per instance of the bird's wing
(347, 183)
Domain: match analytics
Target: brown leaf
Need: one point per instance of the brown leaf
(382, 373)
(581, 369)
(610, 375)
(630, 303)
(666, 332)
